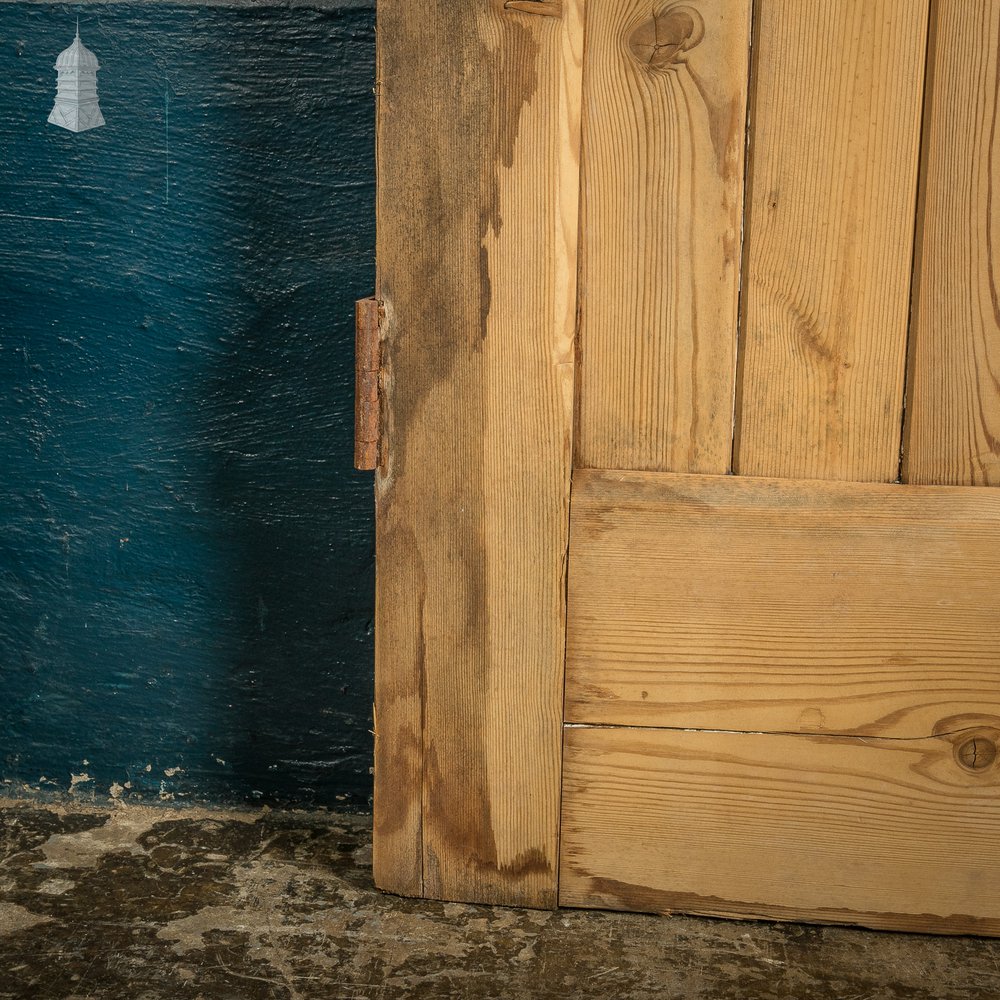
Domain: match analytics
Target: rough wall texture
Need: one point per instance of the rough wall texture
(186, 555)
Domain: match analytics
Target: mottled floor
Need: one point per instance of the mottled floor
(149, 904)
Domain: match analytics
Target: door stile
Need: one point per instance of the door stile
(478, 208)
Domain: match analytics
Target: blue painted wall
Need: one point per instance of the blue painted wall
(186, 555)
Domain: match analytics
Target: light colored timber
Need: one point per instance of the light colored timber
(836, 111)
(665, 90)
(781, 605)
(478, 208)
(895, 834)
(953, 411)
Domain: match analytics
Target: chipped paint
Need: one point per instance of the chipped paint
(56, 886)
(14, 918)
(83, 850)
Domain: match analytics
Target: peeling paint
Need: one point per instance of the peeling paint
(188, 933)
(56, 886)
(14, 918)
(120, 833)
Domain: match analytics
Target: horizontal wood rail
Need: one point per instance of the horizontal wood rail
(779, 605)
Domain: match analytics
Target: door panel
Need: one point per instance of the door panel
(781, 606)
(835, 138)
(664, 130)
(953, 410)
(782, 694)
(883, 833)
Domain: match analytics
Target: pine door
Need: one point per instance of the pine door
(688, 535)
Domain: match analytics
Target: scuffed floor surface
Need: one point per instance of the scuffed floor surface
(150, 904)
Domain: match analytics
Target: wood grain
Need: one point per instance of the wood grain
(835, 140)
(478, 157)
(665, 91)
(781, 606)
(893, 834)
(953, 409)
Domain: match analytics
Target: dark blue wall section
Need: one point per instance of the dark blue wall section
(186, 556)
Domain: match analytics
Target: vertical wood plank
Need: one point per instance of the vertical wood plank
(665, 92)
(835, 138)
(953, 409)
(478, 204)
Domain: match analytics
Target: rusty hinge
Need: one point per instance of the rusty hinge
(368, 314)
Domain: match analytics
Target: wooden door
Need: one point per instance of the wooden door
(690, 399)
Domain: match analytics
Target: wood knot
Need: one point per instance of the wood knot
(661, 41)
(976, 754)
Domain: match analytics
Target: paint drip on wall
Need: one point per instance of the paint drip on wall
(76, 107)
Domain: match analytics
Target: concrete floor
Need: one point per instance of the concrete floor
(144, 903)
